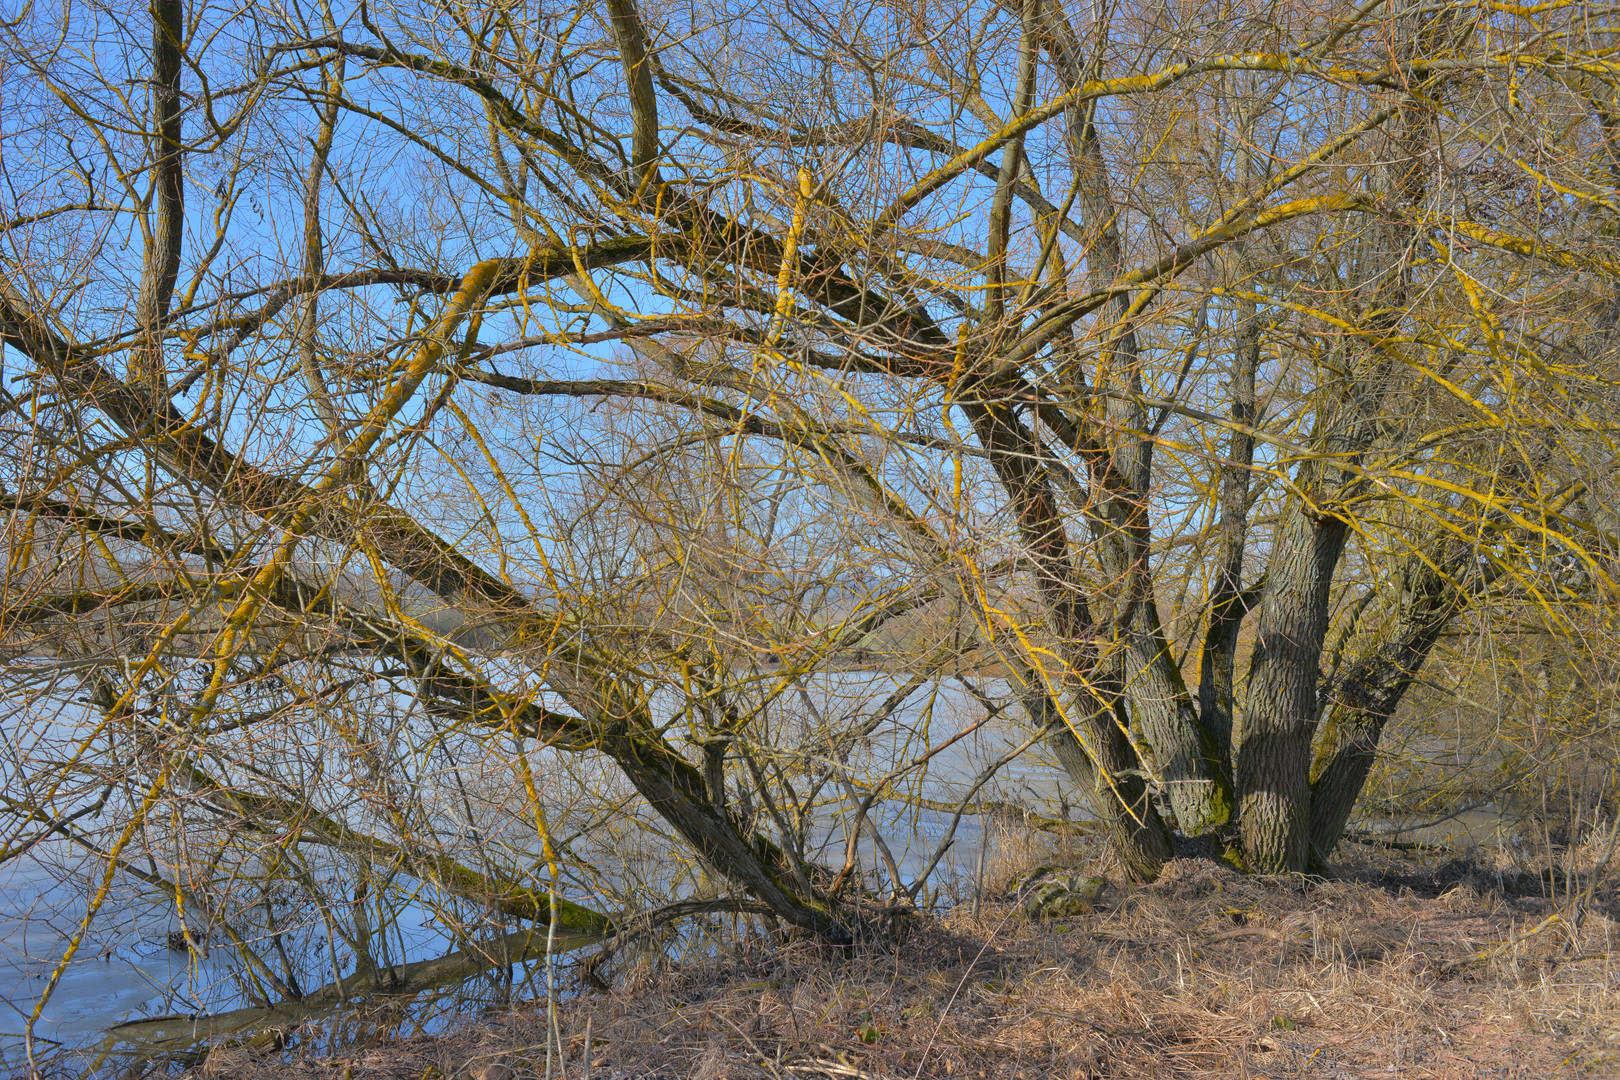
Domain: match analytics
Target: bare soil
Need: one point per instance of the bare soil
(1395, 968)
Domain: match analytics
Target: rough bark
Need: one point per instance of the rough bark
(1144, 845)
(1280, 709)
(1357, 705)
(1108, 764)
(1184, 756)
(165, 222)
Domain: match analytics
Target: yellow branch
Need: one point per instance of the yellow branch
(410, 378)
(790, 259)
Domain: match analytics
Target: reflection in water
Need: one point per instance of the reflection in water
(447, 975)
(128, 968)
(135, 962)
(129, 971)
(1476, 826)
(125, 963)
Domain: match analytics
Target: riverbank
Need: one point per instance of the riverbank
(1400, 967)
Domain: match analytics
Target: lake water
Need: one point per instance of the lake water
(129, 965)
(126, 968)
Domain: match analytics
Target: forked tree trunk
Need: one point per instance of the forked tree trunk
(1361, 701)
(1138, 835)
(1107, 764)
(1183, 753)
(1280, 713)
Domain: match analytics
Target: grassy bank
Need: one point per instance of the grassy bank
(1406, 965)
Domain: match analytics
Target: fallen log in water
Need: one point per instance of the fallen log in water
(172, 1035)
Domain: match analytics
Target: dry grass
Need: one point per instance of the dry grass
(1203, 974)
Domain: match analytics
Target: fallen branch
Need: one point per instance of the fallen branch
(1258, 931)
(640, 926)
(829, 1068)
(1009, 810)
(178, 1034)
(1492, 954)
(1381, 840)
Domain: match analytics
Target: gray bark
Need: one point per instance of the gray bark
(1358, 703)
(1183, 754)
(1280, 710)
(1112, 768)
(165, 226)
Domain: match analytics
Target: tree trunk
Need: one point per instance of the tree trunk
(1108, 764)
(1359, 703)
(1139, 836)
(1184, 755)
(1228, 605)
(614, 723)
(678, 793)
(165, 225)
(1280, 711)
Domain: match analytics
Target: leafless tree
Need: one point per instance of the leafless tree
(566, 394)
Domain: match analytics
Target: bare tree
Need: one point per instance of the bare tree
(496, 389)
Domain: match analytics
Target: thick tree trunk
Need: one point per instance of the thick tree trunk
(1433, 585)
(1280, 713)
(1139, 836)
(1108, 764)
(1361, 701)
(1279, 717)
(1184, 754)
